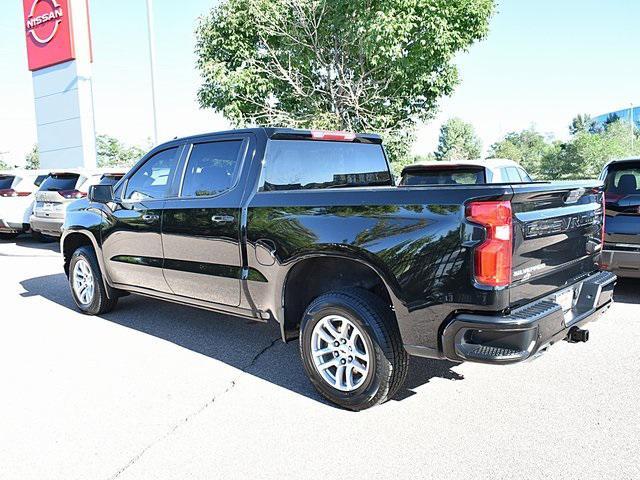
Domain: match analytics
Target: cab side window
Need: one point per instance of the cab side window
(152, 180)
(212, 168)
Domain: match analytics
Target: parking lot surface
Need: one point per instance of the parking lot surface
(162, 391)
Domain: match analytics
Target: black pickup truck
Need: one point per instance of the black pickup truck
(307, 228)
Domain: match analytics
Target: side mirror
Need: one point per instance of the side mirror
(101, 193)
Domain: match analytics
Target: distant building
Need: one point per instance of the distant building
(626, 114)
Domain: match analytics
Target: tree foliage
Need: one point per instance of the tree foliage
(527, 147)
(360, 65)
(582, 123)
(111, 152)
(587, 152)
(458, 141)
(32, 159)
(582, 156)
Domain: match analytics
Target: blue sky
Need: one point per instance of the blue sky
(542, 63)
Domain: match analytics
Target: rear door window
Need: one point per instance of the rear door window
(511, 175)
(212, 168)
(524, 175)
(309, 164)
(153, 179)
(59, 182)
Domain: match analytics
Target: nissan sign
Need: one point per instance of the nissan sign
(48, 32)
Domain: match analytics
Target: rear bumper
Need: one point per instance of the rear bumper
(624, 263)
(528, 330)
(11, 227)
(47, 226)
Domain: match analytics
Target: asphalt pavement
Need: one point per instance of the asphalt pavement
(155, 390)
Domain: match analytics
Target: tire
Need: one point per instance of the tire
(84, 260)
(8, 236)
(40, 237)
(388, 362)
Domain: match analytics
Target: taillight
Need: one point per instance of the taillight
(335, 136)
(604, 216)
(72, 194)
(9, 192)
(493, 257)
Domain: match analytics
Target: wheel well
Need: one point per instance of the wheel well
(310, 278)
(71, 243)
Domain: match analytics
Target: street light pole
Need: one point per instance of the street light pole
(632, 130)
(152, 70)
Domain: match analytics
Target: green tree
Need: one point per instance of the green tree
(582, 123)
(458, 141)
(360, 65)
(112, 152)
(527, 147)
(587, 152)
(32, 159)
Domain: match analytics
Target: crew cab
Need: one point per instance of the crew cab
(307, 229)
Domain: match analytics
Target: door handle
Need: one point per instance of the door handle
(150, 218)
(222, 218)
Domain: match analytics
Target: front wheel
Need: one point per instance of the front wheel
(351, 349)
(87, 287)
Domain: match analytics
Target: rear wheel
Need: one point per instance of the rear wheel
(351, 349)
(8, 236)
(87, 287)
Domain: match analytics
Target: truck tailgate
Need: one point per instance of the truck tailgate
(557, 237)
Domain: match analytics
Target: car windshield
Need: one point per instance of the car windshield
(60, 181)
(444, 176)
(6, 181)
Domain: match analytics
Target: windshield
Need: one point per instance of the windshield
(442, 176)
(60, 181)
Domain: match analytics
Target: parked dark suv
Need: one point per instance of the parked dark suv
(307, 229)
(622, 227)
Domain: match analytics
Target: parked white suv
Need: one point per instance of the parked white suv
(17, 189)
(490, 170)
(57, 191)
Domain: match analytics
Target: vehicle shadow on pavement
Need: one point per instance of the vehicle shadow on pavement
(26, 241)
(627, 291)
(252, 347)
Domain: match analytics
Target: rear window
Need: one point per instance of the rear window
(309, 164)
(623, 179)
(60, 181)
(6, 181)
(458, 176)
(110, 178)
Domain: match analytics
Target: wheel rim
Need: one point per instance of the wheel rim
(83, 285)
(340, 353)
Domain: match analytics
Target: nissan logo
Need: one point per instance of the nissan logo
(54, 17)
